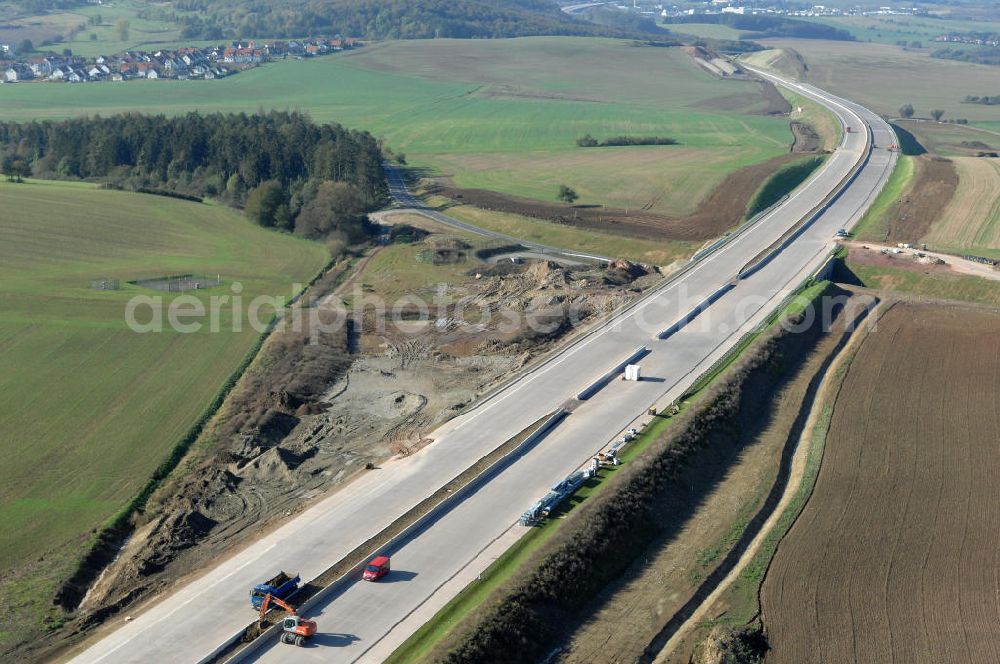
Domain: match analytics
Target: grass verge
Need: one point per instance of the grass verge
(874, 226)
(939, 286)
(782, 183)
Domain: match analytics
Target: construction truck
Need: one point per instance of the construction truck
(295, 629)
(280, 587)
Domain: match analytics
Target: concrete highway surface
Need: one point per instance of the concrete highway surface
(366, 620)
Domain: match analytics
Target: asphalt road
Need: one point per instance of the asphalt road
(365, 619)
(402, 195)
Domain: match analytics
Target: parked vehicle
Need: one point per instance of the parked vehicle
(376, 568)
(280, 587)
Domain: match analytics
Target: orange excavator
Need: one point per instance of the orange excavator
(294, 629)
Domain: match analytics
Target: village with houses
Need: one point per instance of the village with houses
(187, 63)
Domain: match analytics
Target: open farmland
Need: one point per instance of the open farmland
(894, 557)
(497, 114)
(892, 29)
(89, 408)
(884, 77)
(971, 222)
(950, 140)
(143, 33)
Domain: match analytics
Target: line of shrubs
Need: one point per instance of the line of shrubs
(169, 194)
(532, 612)
(117, 186)
(588, 141)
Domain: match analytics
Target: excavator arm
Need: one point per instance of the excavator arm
(270, 599)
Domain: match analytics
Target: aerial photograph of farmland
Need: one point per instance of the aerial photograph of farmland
(500, 331)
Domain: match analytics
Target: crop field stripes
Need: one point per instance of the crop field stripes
(893, 557)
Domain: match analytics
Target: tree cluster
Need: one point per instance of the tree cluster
(982, 56)
(985, 100)
(588, 141)
(15, 168)
(290, 172)
(384, 19)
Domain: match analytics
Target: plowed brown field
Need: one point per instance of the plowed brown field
(896, 557)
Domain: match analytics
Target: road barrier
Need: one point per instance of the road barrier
(694, 313)
(746, 224)
(771, 252)
(394, 543)
(737, 348)
(608, 376)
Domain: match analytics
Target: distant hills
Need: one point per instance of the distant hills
(388, 19)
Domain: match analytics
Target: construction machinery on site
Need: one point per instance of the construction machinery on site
(281, 585)
(295, 629)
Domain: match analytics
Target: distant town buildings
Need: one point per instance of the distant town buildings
(205, 63)
(977, 38)
(750, 7)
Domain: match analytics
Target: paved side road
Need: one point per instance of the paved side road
(401, 194)
(366, 620)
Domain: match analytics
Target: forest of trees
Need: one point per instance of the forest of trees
(289, 172)
(980, 56)
(380, 19)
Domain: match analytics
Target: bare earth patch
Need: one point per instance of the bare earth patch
(932, 188)
(307, 417)
(894, 557)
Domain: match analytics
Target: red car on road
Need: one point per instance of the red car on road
(376, 569)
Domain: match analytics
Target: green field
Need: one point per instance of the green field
(893, 29)
(89, 408)
(874, 225)
(142, 34)
(704, 30)
(943, 286)
(501, 114)
(653, 252)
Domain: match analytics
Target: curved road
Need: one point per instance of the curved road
(365, 621)
(402, 195)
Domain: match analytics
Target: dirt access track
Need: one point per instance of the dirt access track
(721, 211)
(894, 558)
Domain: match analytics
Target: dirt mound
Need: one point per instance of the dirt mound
(270, 466)
(806, 139)
(725, 645)
(718, 213)
(698, 52)
(786, 61)
(547, 273)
